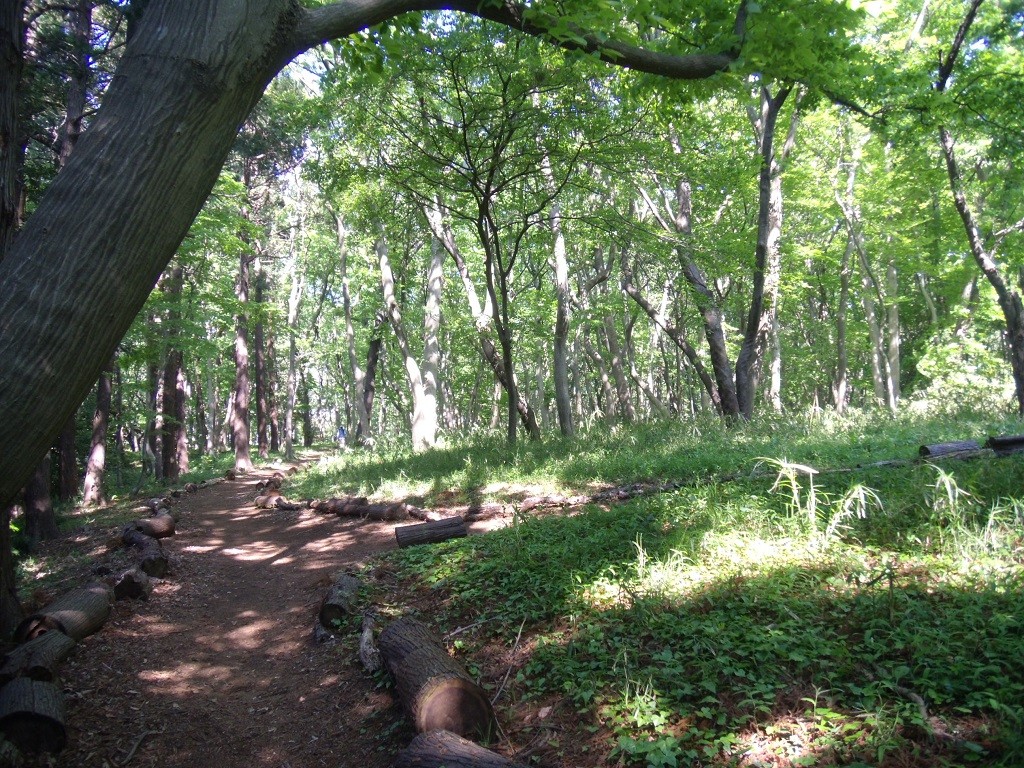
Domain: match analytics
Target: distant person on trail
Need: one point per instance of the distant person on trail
(342, 436)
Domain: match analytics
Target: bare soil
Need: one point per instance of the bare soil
(220, 667)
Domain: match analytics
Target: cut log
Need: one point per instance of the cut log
(77, 614)
(444, 749)
(38, 658)
(434, 688)
(948, 449)
(133, 584)
(191, 487)
(340, 601)
(431, 532)
(32, 715)
(159, 526)
(1004, 445)
(152, 559)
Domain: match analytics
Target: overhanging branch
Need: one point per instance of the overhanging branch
(318, 25)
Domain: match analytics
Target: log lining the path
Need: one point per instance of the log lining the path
(77, 614)
(434, 688)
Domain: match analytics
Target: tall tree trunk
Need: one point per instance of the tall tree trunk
(307, 413)
(294, 304)
(356, 372)
(240, 404)
(892, 331)
(273, 387)
(424, 423)
(40, 520)
(370, 384)
(12, 149)
(431, 341)
(767, 258)
(92, 488)
(840, 385)
(200, 421)
(563, 297)
(173, 410)
(678, 336)
(483, 318)
(1009, 298)
(259, 372)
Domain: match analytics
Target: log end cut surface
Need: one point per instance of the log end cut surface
(453, 703)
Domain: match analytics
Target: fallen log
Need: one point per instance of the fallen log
(133, 584)
(152, 559)
(369, 654)
(38, 658)
(191, 487)
(444, 749)
(340, 601)
(359, 506)
(949, 449)
(431, 532)
(77, 614)
(1004, 445)
(32, 715)
(434, 688)
(159, 526)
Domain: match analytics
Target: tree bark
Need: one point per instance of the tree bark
(92, 489)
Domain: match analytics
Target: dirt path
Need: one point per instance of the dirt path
(219, 668)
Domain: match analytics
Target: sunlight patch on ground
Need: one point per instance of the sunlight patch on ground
(186, 678)
(249, 635)
(258, 550)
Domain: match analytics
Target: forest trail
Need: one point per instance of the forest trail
(219, 668)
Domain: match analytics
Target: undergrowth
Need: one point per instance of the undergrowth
(780, 606)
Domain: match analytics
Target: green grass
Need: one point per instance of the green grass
(756, 615)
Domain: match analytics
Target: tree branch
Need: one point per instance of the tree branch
(318, 25)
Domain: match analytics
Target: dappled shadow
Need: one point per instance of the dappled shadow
(220, 667)
(799, 665)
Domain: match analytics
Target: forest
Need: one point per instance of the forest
(232, 233)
